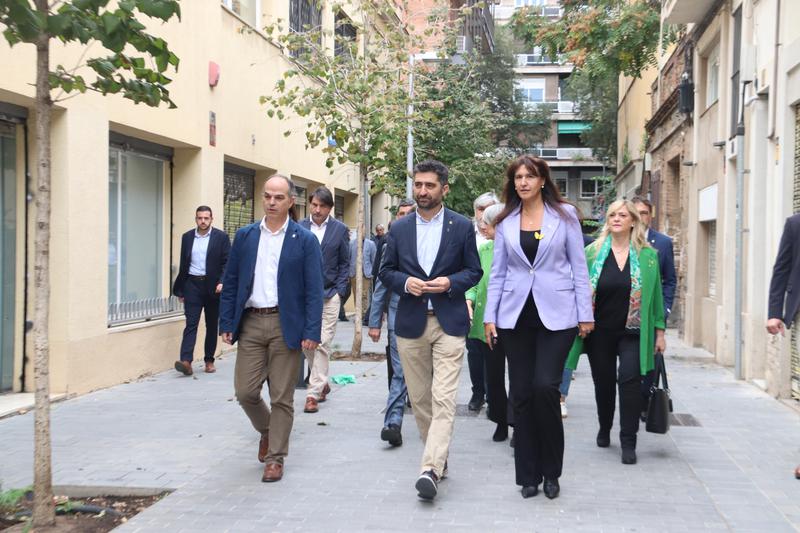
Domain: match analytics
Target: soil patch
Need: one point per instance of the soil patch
(120, 510)
(367, 357)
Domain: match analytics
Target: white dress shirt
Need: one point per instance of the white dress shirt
(197, 266)
(319, 231)
(429, 238)
(265, 281)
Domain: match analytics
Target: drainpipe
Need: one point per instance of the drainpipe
(774, 90)
(737, 324)
(28, 199)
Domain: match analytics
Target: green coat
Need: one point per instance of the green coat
(477, 294)
(652, 311)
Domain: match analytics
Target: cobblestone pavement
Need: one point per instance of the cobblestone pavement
(731, 472)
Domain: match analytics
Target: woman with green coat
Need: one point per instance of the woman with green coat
(495, 359)
(629, 322)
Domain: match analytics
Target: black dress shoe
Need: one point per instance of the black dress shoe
(530, 491)
(551, 488)
(628, 456)
(501, 433)
(475, 403)
(643, 416)
(603, 439)
(392, 435)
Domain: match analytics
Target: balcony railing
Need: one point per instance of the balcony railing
(562, 154)
(531, 60)
(143, 310)
(560, 106)
(551, 12)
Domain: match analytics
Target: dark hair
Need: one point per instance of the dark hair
(292, 192)
(431, 165)
(550, 193)
(643, 200)
(204, 208)
(323, 195)
(406, 202)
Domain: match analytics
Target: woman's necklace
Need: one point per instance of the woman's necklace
(528, 223)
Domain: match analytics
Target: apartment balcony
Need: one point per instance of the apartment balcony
(531, 60)
(685, 11)
(506, 12)
(561, 154)
(560, 106)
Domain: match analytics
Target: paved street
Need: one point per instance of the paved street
(732, 472)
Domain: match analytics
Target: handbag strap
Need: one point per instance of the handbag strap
(661, 370)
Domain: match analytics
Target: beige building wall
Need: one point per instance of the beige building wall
(634, 110)
(85, 352)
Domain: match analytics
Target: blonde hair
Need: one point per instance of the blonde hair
(638, 232)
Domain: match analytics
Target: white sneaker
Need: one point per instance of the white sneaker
(564, 410)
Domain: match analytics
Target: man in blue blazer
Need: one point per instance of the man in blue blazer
(333, 237)
(204, 253)
(666, 263)
(272, 305)
(431, 260)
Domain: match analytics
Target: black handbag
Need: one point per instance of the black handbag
(660, 405)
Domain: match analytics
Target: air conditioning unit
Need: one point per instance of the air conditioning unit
(549, 153)
(461, 44)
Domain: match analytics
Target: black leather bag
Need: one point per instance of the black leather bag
(660, 405)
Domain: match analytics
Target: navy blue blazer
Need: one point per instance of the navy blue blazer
(666, 263)
(216, 258)
(299, 283)
(784, 301)
(457, 259)
(335, 256)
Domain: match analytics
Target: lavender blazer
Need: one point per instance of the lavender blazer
(558, 278)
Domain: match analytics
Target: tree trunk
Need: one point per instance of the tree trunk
(360, 236)
(43, 508)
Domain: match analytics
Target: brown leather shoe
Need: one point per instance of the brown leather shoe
(272, 472)
(184, 367)
(325, 391)
(311, 405)
(210, 369)
(797, 473)
(263, 448)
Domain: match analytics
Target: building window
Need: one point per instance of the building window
(560, 179)
(525, 3)
(530, 90)
(344, 35)
(248, 10)
(711, 232)
(338, 208)
(300, 202)
(238, 202)
(304, 15)
(136, 269)
(735, 89)
(590, 187)
(712, 76)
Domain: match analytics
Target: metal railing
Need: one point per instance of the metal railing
(561, 106)
(143, 310)
(560, 153)
(530, 60)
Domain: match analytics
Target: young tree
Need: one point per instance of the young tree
(352, 96)
(124, 70)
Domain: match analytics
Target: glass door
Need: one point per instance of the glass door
(8, 179)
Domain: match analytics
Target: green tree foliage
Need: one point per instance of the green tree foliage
(597, 99)
(134, 66)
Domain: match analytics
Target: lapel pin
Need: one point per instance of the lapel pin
(294, 235)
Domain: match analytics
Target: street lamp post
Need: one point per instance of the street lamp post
(410, 135)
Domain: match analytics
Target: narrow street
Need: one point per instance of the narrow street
(730, 472)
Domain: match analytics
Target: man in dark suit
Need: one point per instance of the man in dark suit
(784, 302)
(333, 237)
(204, 253)
(666, 264)
(431, 260)
(272, 305)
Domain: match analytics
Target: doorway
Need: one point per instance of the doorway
(8, 244)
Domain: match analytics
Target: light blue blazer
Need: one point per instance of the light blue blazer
(558, 278)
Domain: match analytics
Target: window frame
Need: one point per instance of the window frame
(258, 13)
(583, 195)
(712, 65)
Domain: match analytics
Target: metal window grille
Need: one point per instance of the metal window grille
(143, 310)
(345, 35)
(304, 15)
(712, 258)
(238, 201)
(795, 355)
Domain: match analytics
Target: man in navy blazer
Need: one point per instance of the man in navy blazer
(431, 260)
(204, 253)
(333, 237)
(666, 256)
(272, 305)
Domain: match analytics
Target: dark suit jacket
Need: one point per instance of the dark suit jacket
(299, 283)
(783, 299)
(216, 258)
(457, 259)
(335, 256)
(666, 262)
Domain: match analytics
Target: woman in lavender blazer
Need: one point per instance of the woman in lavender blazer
(538, 298)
